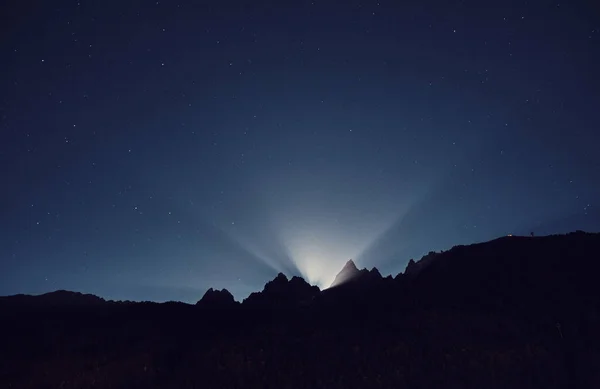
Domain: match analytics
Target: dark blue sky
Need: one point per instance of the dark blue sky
(152, 149)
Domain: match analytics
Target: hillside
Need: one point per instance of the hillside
(512, 312)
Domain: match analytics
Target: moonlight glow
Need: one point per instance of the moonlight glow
(320, 247)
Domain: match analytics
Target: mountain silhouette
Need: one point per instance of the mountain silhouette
(217, 299)
(281, 292)
(512, 312)
(542, 274)
(414, 268)
(350, 274)
(53, 299)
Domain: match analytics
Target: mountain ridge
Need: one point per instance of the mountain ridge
(505, 313)
(291, 291)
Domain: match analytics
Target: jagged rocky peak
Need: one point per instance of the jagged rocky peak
(300, 286)
(348, 273)
(410, 267)
(281, 284)
(350, 266)
(299, 281)
(414, 268)
(374, 272)
(276, 284)
(217, 297)
(281, 291)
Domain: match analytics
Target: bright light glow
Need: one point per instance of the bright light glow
(320, 248)
(317, 263)
(322, 220)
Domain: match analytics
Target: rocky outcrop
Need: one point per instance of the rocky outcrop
(280, 292)
(351, 274)
(217, 299)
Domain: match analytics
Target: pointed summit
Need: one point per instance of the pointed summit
(374, 273)
(348, 273)
(350, 266)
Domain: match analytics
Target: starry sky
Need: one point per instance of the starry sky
(152, 149)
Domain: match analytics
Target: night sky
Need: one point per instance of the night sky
(150, 150)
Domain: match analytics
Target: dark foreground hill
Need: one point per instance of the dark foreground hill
(516, 312)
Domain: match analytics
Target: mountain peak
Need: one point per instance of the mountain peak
(413, 268)
(217, 297)
(350, 266)
(374, 272)
(348, 272)
(276, 283)
(282, 291)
